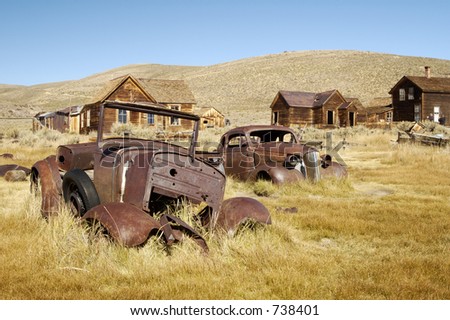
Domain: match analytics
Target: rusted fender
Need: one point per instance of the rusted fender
(174, 228)
(333, 169)
(125, 223)
(7, 167)
(281, 175)
(236, 211)
(46, 173)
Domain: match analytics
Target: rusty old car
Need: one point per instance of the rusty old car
(272, 152)
(126, 180)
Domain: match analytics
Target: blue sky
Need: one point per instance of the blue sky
(57, 40)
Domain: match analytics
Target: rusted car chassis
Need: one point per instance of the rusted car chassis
(126, 184)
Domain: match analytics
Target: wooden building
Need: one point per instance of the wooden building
(210, 118)
(327, 109)
(378, 111)
(421, 98)
(174, 94)
(58, 120)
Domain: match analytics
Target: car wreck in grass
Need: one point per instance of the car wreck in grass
(126, 182)
(273, 153)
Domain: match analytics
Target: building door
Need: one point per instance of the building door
(436, 113)
(351, 117)
(330, 117)
(275, 117)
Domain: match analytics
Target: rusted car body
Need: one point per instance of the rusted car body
(126, 183)
(274, 153)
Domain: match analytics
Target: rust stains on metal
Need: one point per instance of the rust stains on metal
(121, 182)
(125, 223)
(45, 176)
(239, 210)
(174, 228)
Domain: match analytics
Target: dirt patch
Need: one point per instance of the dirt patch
(373, 189)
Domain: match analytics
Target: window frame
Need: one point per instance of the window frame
(175, 121)
(411, 93)
(121, 113)
(401, 94)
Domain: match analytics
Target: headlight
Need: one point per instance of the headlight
(292, 160)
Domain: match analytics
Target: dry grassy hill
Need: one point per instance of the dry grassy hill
(242, 89)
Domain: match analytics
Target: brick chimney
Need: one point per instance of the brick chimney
(428, 72)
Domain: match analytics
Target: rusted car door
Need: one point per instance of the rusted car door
(238, 155)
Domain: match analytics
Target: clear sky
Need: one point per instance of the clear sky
(57, 40)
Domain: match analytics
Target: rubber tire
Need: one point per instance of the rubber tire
(78, 187)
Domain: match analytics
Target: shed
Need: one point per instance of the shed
(379, 110)
(57, 120)
(210, 117)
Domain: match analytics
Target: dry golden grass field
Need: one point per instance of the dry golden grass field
(383, 233)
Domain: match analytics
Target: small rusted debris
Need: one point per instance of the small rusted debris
(287, 210)
(8, 167)
(239, 210)
(174, 228)
(124, 222)
(7, 156)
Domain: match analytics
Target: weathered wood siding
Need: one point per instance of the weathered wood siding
(282, 108)
(302, 116)
(332, 105)
(404, 109)
(129, 92)
(345, 116)
(431, 100)
(211, 119)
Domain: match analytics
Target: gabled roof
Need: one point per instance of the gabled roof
(157, 90)
(432, 84)
(345, 105)
(305, 99)
(168, 91)
(204, 111)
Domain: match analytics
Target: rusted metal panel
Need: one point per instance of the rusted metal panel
(125, 223)
(239, 210)
(174, 228)
(76, 156)
(7, 167)
(46, 174)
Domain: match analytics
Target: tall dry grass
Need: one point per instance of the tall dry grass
(383, 233)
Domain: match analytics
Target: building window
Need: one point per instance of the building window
(417, 112)
(122, 116)
(175, 121)
(150, 118)
(401, 94)
(411, 93)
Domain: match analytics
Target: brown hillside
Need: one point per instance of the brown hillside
(244, 89)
